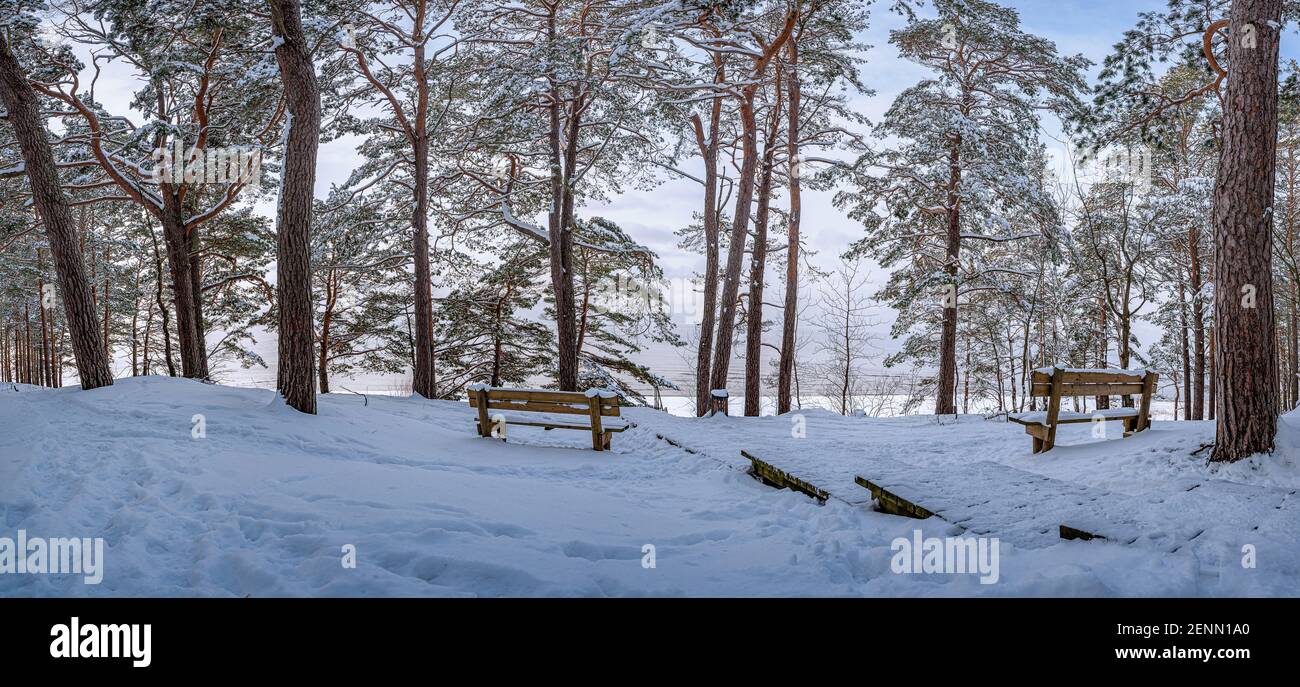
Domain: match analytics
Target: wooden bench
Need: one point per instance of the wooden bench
(595, 404)
(1056, 383)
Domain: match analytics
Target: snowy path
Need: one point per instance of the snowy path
(1152, 489)
(264, 503)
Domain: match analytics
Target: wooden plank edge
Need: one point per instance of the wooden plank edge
(1068, 532)
(893, 504)
(773, 476)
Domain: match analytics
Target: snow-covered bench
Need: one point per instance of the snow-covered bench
(593, 403)
(1055, 383)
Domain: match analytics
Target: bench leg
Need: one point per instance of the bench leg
(609, 440)
(484, 425)
(1041, 437)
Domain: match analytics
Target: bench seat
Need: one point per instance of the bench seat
(1040, 417)
(560, 425)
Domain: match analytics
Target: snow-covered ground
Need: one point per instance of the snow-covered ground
(264, 504)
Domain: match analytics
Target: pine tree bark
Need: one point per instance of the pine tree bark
(196, 288)
(52, 207)
(108, 304)
(560, 235)
(1245, 353)
(1187, 363)
(296, 376)
(1209, 413)
(945, 402)
(736, 249)
(709, 308)
(740, 220)
(758, 262)
(1196, 401)
(790, 316)
(1103, 348)
(182, 263)
(1292, 382)
(1293, 358)
(177, 241)
(423, 378)
(326, 340)
(708, 145)
(162, 308)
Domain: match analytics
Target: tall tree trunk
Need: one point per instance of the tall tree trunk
(790, 315)
(754, 321)
(1245, 359)
(946, 391)
(177, 241)
(295, 377)
(758, 263)
(1196, 400)
(1213, 377)
(560, 235)
(29, 369)
(708, 145)
(108, 307)
(1293, 358)
(135, 317)
(162, 310)
(326, 320)
(585, 309)
(181, 265)
(497, 337)
(52, 207)
(46, 376)
(1187, 363)
(423, 378)
(736, 249)
(196, 286)
(744, 198)
(1125, 351)
(1103, 402)
(965, 396)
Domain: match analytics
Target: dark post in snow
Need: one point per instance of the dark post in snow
(296, 374)
(53, 210)
(1245, 359)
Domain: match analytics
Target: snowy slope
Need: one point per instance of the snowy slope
(263, 505)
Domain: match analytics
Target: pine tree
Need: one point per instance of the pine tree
(22, 111)
(358, 272)
(395, 54)
(484, 327)
(966, 161)
(1245, 333)
(295, 373)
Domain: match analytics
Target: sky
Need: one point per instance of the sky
(651, 217)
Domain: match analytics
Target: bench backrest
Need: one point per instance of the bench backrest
(540, 401)
(1088, 383)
